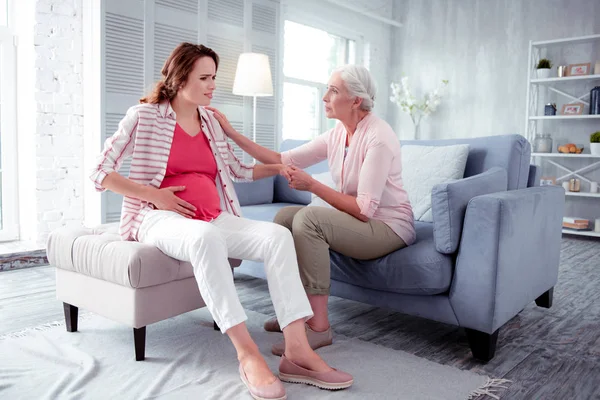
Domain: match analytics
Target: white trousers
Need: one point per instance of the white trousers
(208, 245)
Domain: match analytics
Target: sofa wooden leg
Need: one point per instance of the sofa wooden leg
(139, 340)
(483, 345)
(545, 300)
(215, 326)
(71, 314)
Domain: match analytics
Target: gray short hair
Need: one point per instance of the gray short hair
(360, 83)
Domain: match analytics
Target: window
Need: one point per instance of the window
(309, 57)
(8, 161)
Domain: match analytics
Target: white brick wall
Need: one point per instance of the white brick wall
(59, 115)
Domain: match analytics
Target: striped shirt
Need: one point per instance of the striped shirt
(146, 134)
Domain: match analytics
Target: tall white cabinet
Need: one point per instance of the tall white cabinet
(138, 36)
(566, 128)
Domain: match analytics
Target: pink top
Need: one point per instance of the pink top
(371, 171)
(192, 164)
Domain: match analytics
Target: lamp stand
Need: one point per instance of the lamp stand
(253, 124)
(254, 121)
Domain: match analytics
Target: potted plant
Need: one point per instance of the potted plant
(543, 68)
(595, 143)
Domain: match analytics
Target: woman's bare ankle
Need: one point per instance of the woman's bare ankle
(248, 353)
(318, 326)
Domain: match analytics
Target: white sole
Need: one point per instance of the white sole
(256, 397)
(315, 382)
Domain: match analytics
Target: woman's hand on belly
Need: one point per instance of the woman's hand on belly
(165, 199)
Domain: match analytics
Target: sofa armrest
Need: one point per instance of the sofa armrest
(449, 204)
(508, 256)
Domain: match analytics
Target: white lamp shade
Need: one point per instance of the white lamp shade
(253, 76)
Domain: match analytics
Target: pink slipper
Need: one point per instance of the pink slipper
(273, 391)
(331, 380)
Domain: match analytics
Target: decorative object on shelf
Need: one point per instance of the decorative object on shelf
(576, 223)
(543, 68)
(542, 143)
(595, 143)
(561, 71)
(547, 181)
(597, 225)
(593, 187)
(574, 185)
(579, 69)
(403, 98)
(570, 148)
(565, 186)
(595, 100)
(572, 109)
(597, 68)
(550, 109)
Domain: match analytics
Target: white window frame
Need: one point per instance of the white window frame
(10, 211)
(333, 29)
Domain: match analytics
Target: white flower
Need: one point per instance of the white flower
(403, 98)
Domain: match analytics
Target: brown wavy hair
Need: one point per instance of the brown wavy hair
(176, 70)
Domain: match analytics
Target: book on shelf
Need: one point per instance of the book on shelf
(576, 220)
(575, 226)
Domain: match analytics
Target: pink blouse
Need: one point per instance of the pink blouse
(372, 171)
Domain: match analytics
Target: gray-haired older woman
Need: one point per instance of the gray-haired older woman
(371, 215)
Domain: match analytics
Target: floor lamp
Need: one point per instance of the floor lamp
(253, 78)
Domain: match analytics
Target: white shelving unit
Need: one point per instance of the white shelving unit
(564, 88)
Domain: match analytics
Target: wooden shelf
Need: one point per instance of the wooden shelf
(557, 117)
(567, 155)
(581, 233)
(566, 79)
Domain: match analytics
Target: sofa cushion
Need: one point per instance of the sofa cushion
(417, 269)
(282, 192)
(449, 201)
(511, 152)
(100, 253)
(423, 167)
(264, 212)
(256, 192)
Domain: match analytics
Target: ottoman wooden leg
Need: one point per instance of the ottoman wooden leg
(139, 341)
(71, 314)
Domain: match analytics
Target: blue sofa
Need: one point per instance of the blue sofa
(492, 249)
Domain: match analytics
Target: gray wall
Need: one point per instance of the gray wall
(481, 46)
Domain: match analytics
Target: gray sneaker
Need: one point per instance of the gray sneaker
(315, 339)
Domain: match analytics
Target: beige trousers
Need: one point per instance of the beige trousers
(318, 229)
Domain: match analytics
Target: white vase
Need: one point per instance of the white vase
(417, 131)
(543, 73)
(595, 149)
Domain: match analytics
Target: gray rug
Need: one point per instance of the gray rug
(186, 358)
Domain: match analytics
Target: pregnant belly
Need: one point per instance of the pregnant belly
(200, 191)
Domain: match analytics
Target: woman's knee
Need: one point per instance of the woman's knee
(285, 216)
(279, 234)
(306, 220)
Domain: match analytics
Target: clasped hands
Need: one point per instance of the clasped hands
(297, 178)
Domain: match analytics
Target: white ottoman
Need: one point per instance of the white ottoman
(129, 282)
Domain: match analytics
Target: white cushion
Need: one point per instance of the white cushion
(423, 167)
(326, 179)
